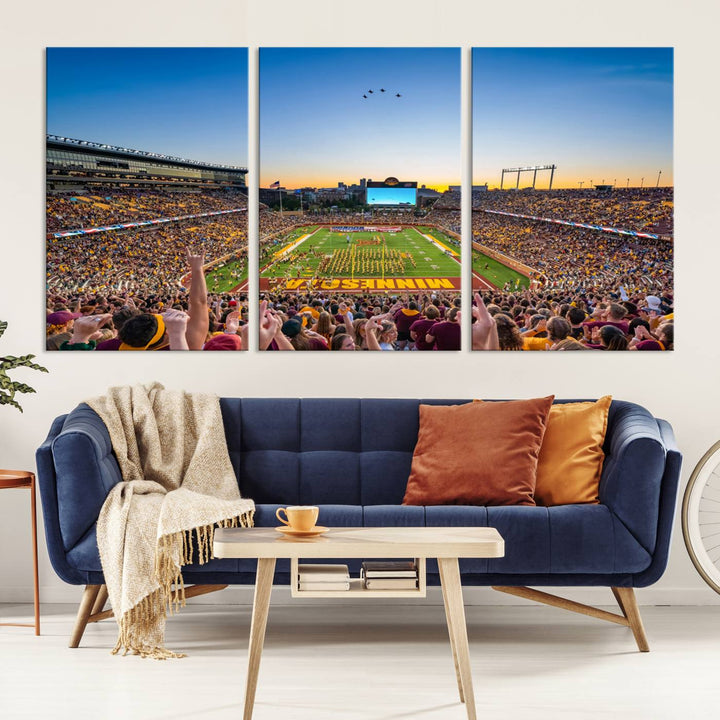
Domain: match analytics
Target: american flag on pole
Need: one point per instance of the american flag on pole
(276, 184)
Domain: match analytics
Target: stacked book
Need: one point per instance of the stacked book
(323, 577)
(389, 575)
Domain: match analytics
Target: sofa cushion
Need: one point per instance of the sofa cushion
(571, 456)
(565, 539)
(478, 454)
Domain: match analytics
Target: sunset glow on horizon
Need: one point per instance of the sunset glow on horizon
(601, 115)
(290, 183)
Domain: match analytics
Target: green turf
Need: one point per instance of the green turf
(226, 281)
(497, 273)
(430, 261)
(443, 237)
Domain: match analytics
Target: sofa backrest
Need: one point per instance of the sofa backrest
(323, 450)
(346, 451)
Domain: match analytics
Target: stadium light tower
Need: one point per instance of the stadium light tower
(530, 168)
(628, 183)
(642, 180)
(657, 184)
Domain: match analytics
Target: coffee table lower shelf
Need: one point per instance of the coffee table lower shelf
(357, 589)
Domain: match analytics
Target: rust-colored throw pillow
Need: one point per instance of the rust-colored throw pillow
(478, 453)
(571, 457)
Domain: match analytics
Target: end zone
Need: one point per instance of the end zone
(359, 285)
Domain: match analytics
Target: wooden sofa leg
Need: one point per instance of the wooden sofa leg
(625, 597)
(94, 599)
(102, 598)
(628, 604)
(85, 610)
(98, 613)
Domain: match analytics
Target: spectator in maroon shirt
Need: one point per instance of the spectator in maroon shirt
(614, 315)
(445, 334)
(661, 340)
(420, 328)
(404, 318)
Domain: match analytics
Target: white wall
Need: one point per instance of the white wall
(681, 386)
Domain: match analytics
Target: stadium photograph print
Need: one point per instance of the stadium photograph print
(359, 199)
(572, 200)
(146, 245)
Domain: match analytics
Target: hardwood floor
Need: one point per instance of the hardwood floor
(389, 662)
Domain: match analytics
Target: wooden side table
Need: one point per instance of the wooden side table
(24, 479)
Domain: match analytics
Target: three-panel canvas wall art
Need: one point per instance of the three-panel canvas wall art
(360, 238)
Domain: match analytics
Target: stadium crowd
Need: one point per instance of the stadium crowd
(141, 262)
(67, 211)
(173, 318)
(586, 321)
(642, 210)
(570, 258)
(98, 282)
(318, 321)
(590, 290)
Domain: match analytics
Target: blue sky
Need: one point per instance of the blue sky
(316, 128)
(188, 102)
(597, 113)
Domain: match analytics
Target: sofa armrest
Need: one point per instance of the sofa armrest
(668, 507)
(633, 471)
(85, 472)
(47, 486)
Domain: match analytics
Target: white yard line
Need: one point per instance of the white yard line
(294, 246)
(436, 243)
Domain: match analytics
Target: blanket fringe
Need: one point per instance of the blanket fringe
(142, 621)
(145, 619)
(169, 574)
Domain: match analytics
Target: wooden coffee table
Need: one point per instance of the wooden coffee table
(445, 544)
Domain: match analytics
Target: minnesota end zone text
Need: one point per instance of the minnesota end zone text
(361, 284)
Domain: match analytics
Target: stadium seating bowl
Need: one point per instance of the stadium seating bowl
(352, 457)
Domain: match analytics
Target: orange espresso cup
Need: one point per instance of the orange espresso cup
(299, 517)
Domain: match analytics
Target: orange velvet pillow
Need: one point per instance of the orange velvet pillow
(477, 453)
(571, 457)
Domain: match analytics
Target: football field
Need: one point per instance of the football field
(376, 258)
(489, 272)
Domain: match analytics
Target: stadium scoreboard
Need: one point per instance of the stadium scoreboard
(391, 192)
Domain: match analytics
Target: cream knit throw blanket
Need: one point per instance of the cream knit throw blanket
(178, 482)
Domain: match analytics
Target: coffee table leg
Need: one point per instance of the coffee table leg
(451, 633)
(261, 603)
(455, 610)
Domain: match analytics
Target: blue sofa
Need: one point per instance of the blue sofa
(352, 457)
